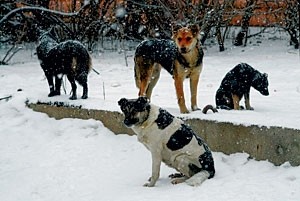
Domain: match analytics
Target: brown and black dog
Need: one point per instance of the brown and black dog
(237, 83)
(181, 57)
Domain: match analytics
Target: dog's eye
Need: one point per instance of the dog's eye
(188, 39)
(179, 39)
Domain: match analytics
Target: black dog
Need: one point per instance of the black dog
(237, 83)
(66, 58)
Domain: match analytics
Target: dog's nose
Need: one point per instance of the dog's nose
(183, 49)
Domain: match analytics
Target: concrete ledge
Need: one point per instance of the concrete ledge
(275, 144)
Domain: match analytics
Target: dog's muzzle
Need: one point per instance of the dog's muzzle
(183, 50)
(130, 122)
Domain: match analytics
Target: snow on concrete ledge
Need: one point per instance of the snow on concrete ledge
(275, 144)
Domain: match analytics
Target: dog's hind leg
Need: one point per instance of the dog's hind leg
(58, 80)
(82, 80)
(198, 178)
(143, 69)
(51, 85)
(74, 87)
(85, 91)
(153, 80)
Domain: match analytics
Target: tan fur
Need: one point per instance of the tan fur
(146, 76)
(236, 101)
(186, 38)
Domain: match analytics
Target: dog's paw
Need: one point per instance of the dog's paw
(149, 184)
(176, 175)
(195, 108)
(184, 111)
(84, 96)
(53, 93)
(73, 97)
(250, 108)
(178, 180)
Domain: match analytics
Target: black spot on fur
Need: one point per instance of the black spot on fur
(180, 138)
(164, 119)
(207, 162)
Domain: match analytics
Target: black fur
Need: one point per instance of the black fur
(238, 81)
(207, 162)
(180, 138)
(132, 108)
(161, 51)
(66, 58)
(164, 52)
(164, 119)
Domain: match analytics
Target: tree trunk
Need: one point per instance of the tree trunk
(245, 24)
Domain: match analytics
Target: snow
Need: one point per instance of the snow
(71, 159)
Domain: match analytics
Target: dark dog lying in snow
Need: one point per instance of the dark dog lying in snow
(66, 58)
(170, 141)
(237, 83)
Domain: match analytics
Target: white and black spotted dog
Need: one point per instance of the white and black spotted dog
(170, 141)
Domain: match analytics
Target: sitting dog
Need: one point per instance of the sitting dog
(66, 58)
(181, 57)
(237, 83)
(170, 141)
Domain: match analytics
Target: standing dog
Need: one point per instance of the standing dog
(237, 83)
(181, 57)
(170, 141)
(66, 58)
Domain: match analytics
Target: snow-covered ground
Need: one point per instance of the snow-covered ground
(71, 159)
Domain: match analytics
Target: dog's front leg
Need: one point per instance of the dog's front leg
(236, 101)
(194, 80)
(156, 161)
(247, 102)
(178, 80)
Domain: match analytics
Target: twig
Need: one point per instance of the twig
(15, 51)
(6, 98)
(95, 71)
(103, 91)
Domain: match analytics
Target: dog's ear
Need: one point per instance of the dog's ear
(52, 33)
(122, 101)
(141, 103)
(142, 100)
(195, 29)
(175, 28)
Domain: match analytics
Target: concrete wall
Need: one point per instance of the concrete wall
(274, 144)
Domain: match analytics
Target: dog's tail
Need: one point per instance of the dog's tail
(209, 107)
(198, 179)
(90, 64)
(82, 65)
